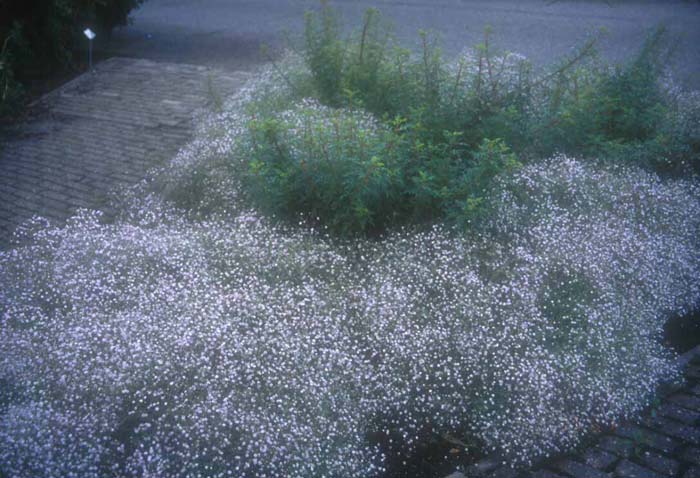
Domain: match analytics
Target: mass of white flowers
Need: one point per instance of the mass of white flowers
(218, 344)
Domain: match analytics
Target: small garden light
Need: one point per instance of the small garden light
(90, 36)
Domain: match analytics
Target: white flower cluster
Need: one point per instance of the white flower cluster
(162, 345)
(309, 118)
(688, 104)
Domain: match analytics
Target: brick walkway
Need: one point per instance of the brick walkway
(99, 131)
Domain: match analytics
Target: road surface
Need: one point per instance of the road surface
(229, 33)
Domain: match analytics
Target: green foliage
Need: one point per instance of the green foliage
(456, 125)
(468, 193)
(38, 36)
(41, 35)
(426, 150)
(344, 170)
(619, 113)
(331, 166)
(325, 53)
(367, 69)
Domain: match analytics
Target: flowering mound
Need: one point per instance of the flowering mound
(168, 346)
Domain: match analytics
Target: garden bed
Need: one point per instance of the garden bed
(365, 252)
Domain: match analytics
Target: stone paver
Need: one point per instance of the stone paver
(648, 437)
(659, 463)
(692, 455)
(686, 400)
(103, 129)
(628, 469)
(598, 458)
(619, 446)
(578, 470)
(543, 474)
(678, 413)
(692, 472)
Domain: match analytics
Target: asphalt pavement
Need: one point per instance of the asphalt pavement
(229, 33)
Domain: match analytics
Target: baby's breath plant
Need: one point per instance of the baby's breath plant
(160, 345)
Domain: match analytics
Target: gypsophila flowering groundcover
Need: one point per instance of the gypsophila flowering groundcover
(196, 337)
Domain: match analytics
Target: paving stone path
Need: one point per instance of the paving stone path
(664, 443)
(103, 129)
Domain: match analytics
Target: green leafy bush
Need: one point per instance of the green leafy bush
(338, 167)
(457, 125)
(346, 171)
(38, 37)
(368, 69)
(42, 35)
(428, 169)
(619, 113)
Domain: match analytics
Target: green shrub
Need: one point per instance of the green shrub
(344, 170)
(426, 158)
(581, 106)
(42, 34)
(338, 167)
(325, 54)
(38, 37)
(108, 14)
(368, 69)
(457, 124)
(619, 113)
